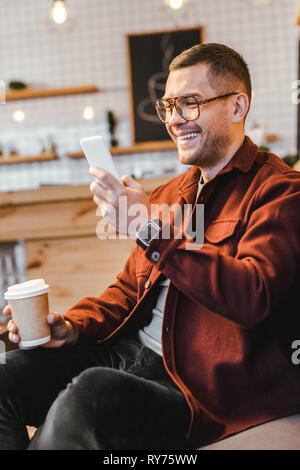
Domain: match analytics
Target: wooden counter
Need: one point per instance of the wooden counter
(58, 225)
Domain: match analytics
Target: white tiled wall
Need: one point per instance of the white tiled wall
(94, 52)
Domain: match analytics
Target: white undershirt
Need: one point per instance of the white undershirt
(150, 335)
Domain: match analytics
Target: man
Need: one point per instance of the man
(195, 340)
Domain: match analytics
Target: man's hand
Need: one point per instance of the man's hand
(62, 331)
(125, 206)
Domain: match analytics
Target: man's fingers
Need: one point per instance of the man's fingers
(13, 332)
(104, 177)
(14, 338)
(97, 190)
(99, 203)
(130, 182)
(7, 311)
(12, 327)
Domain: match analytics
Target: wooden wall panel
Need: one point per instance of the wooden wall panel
(52, 212)
(47, 220)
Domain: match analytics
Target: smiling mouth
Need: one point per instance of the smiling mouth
(191, 135)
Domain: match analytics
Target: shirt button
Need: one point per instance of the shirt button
(155, 256)
(147, 284)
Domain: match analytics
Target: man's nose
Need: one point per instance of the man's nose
(175, 118)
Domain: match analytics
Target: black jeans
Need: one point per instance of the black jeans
(115, 395)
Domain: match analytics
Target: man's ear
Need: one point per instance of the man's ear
(240, 107)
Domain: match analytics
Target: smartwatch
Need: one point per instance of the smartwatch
(148, 232)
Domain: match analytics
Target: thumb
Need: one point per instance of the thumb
(59, 326)
(130, 182)
(55, 318)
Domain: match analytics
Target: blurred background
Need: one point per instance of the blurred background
(89, 48)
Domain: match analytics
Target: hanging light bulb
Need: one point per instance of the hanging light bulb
(59, 13)
(175, 4)
(59, 19)
(178, 11)
(18, 115)
(88, 113)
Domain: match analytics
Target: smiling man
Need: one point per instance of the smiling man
(190, 344)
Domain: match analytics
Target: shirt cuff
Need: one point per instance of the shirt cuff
(160, 249)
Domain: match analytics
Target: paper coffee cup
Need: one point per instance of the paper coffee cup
(29, 308)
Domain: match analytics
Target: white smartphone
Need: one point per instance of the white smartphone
(98, 155)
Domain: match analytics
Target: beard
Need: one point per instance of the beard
(211, 150)
(207, 151)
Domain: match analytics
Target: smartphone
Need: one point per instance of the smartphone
(98, 155)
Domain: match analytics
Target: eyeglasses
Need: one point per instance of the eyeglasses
(188, 106)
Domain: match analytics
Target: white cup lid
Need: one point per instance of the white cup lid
(27, 289)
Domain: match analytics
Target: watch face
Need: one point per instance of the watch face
(148, 232)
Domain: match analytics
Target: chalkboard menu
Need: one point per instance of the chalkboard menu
(149, 56)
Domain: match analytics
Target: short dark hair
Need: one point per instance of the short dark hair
(226, 65)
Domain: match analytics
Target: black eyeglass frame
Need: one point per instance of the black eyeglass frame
(172, 103)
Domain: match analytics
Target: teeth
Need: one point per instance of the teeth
(188, 136)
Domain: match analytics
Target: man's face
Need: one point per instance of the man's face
(202, 142)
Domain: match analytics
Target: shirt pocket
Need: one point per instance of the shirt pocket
(224, 233)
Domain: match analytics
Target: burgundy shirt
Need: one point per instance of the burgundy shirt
(233, 305)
